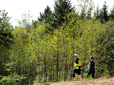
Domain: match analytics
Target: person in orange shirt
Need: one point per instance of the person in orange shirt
(77, 67)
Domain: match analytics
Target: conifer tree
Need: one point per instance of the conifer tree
(61, 8)
(112, 13)
(5, 29)
(5, 41)
(83, 13)
(89, 13)
(97, 12)
(104, 13)
(46, 16)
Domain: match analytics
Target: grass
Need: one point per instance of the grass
(90, 77)
(106, 76)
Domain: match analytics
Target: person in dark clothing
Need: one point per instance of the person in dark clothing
(91, 67)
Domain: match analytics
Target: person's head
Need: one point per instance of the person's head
(75, 56)
(91, 58)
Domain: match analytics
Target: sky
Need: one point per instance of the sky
(16, 8)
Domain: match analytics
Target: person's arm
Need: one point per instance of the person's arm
(79, 62)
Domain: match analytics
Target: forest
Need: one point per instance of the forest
(43, 51)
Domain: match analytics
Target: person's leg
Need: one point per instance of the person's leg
(80, 77)
(93, 73)
(74, 74)
(74, 78)
(88, 74)
(79, 72)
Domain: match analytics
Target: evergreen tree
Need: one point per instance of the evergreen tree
(86, 8)
(112, 13)
(47, 16)
(97, 12)
(105, 12)
(103, 15)
(5, 29)
(6, 40)
(41, 18)
(61, 8)
(89, 12)
(83, 14)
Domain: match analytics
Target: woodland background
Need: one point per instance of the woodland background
(42, 51)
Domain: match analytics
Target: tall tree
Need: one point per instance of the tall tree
(104, 13)
(101, 15)
(26, 21)
(5, 29)
(97, 12)
(46, 16)
(83, 13)
(6, 40)
(61, 8)
(85, 8)
(112, 13)
(89, 12)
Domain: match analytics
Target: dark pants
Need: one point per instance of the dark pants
(89, 73)
(76, 71)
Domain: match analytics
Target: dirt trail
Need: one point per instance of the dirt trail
(100, 81)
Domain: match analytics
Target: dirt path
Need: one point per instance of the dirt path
(100, 81)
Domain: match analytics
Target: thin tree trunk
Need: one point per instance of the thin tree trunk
(57, 67)
(72, 60)
(45, 72)
(83, 70)
(57, 60)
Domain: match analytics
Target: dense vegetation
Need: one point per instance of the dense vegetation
(43, 51)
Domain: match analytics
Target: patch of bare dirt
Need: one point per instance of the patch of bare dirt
(100, 81)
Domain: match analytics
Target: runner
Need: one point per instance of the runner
(77, 65)
(92, 67)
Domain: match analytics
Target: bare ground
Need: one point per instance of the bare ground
(100, 81)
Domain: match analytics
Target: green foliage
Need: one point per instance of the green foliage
(55, 18)
(5, 29)
(47, 16)
(109, 42)
(61, 8)
(6, 40)
(12, 79)
(42, 57)
(111, 15)
(85, 8)
(90, 77)
(97, 13)
(26, 21)
(89, 13)
(39, 55)
(103, 13)
(105, 75)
